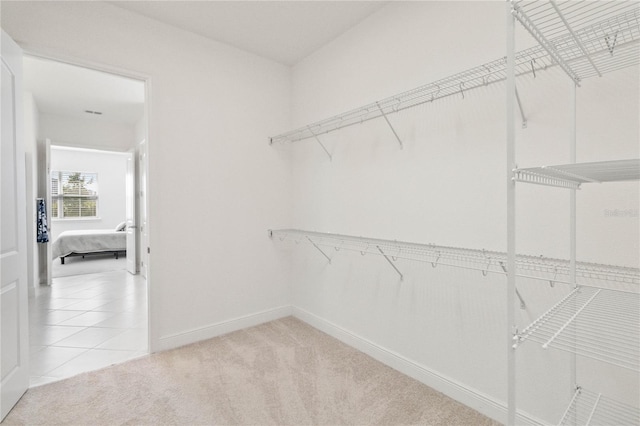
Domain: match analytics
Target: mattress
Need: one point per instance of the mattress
(89, 241)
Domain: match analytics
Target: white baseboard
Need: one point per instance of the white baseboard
(470, 397)
(224, 327)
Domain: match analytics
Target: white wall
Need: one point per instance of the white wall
(31, 118)
(447, 187)
(215, 184)
(90, 132)
(111, 168)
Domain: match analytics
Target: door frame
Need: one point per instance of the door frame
(52, 55)
(132, 217)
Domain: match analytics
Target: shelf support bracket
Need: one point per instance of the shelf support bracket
(390, 262)
(390, 126)
(522, 304)
(611, 46)
(524, 118)
(319, 249)
(319, 141)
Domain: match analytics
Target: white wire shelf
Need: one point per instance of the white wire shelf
(611, 35)
(487, 262)
(591, 408)
(596, 323)
(528, 61)
(586, 38)
(573, 175)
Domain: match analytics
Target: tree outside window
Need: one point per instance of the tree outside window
(74, 194)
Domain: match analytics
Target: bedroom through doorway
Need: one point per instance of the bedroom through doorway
(87, 130)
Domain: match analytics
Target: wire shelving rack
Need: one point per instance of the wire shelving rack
(586, 39)
(545, 269)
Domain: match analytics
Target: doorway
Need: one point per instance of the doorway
(96, 314)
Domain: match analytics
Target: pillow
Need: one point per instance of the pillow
(121, 226)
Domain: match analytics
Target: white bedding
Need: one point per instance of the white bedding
(89, 241)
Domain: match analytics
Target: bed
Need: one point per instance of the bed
(89, 242)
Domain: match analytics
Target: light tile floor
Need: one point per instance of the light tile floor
(86, 322)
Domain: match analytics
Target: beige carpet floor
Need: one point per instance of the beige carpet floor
(280, 373)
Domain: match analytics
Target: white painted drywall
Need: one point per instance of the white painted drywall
(31, 118)
(111, 168)
(215, 185)
(90, 132)
(447, 187)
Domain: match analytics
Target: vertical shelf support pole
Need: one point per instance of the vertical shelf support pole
(572, 216)
(511, 217)
(390, 126)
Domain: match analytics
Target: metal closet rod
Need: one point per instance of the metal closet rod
(485, 261)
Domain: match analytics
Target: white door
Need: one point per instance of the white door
(130, 215)
(14, 329)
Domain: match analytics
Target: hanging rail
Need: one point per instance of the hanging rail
(611, 42)
(486, 262)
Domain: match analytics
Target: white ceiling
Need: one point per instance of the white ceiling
(284, 31)
(64, 89)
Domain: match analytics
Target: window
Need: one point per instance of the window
(74, 195)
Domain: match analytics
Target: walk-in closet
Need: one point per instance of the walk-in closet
(368, 212)
(554, 335)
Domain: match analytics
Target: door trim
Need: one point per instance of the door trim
(53, 55)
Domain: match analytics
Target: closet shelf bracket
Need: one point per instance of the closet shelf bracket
(319, 142)
(319, 249)
(522, 304)
(390, 262)
(524, 118)
(390, 125)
